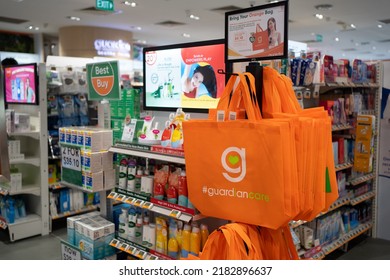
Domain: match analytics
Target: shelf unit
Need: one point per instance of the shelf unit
(337, 90)
(34, 169)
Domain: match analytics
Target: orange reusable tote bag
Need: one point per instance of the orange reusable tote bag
(235, 169)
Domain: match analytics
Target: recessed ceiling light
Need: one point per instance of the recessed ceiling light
(319, 16)
(337, 39)
(324, 7)
(380, 25)
(186, 35)
(373, 47)
(73, 18)
(353, 25)
(136, 27)
(194, 17)
(130, 3)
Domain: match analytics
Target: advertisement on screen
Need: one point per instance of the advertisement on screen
(258, 33)
(184, 76)
(20, 84)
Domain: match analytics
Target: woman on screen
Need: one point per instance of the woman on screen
(203, 74)
(29, 92)
(273, 35)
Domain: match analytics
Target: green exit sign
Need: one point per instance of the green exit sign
(105, 5)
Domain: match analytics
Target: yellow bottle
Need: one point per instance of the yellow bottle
(173, 248)
(195, 241)
(186, 237)
(204, 233)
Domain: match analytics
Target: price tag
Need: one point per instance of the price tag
(175, 213)
(141, 254)
(112, 195)
(115, 243)
(152, 258)
(120, 197)
(130, 200)
(147, 205)
(124, 247)
(71, 158)
(131, 250)
(69, 252)
(139, 202)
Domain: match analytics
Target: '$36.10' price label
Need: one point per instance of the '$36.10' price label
(71, 158)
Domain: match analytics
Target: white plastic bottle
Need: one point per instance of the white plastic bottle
(122, 227)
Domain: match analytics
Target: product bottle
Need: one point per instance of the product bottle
(131, 171)
(138, 177)
(152, 236)
(173, 248)
(186, 241)
(160, 246)
(10, 210)
(138, 229)
(123, 174)
(183, 191)
(132, 220)
(179, 234)
(122, 227)
(204, 233)
(195, 241)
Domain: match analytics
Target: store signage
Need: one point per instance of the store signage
(71, 158)
(105, 5)
(115, 48)
(69, 252)
(103, 78)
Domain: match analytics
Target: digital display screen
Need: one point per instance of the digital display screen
(184, 76)
(20, 84)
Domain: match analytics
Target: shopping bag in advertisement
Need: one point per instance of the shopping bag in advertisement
(241, 170)
(261, 40)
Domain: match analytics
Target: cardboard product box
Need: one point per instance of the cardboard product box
(16, 181)
(13, 147)
(22, 122)
(52, 171)
(91, 162)
(109, 235)
(70, 225)
(92, 241)
(109, 177)
(61, 135)
(364, 146)
(93, 181)
(107, 160)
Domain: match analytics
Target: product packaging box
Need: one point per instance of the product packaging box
(107, 160)
(13, 147)
(109, 235)
(109, 177)
(89, 238)
(52, 171)
(93, 181)
(16, 181)
(91, 162)
(22, 122)
(364, 146)
(71, 222)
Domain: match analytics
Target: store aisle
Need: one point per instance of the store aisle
(34, 248)
(49, 248)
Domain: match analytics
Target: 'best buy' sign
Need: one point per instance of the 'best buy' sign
(103, 81)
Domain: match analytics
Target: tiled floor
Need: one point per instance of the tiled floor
(49, 247)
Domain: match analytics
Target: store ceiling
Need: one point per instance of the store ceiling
(366, 41)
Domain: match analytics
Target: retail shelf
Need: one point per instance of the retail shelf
(362, 198)
(28, 219)
(69, 185)
(343, 166)
(75, 212)
(27, 160)
(361, 179)
(34, 189)
(154, 205)
(137, 250)
(341, 127)
(337, 204)
(346, 238)
(33, 134)
(56, 186)
(151, 152)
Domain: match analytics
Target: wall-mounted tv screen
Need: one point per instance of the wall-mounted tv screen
(21, 84)
(184, 76)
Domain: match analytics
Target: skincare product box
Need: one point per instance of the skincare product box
(91, 162)
(22, 122)
(109, 179)
(364, 146)
(93, 181)
(70, 225)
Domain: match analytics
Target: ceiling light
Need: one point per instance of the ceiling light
(273, 1)
(136, 27)
(186, 35)
(194, 17)
(353, 25)
(373, 47)
(73, 18)
(323, 7)
(130, 3)
(337, 39)
(319, 16)
(380, 25)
